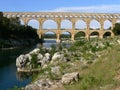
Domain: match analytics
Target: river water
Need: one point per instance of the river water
(8, 75)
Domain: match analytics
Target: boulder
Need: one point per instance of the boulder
(21, 61)
(118, 41)
(39, 56)
(32, 87)
(35, 51)
(58, 56)
(70, 78)
(42, 84)
(45, 59)
(28, 56)
(55, 70)
(48, 56)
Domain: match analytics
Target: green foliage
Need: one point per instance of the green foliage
(11, 28)
(34, 61)
(100, 74)
(53, 49)
(116, 29)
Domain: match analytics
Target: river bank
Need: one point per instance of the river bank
(7, 44)
(62, 65)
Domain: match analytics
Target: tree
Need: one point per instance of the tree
(116, 29)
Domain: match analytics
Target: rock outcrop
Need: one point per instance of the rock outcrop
(70, 78)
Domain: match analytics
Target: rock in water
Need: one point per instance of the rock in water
(21, 61)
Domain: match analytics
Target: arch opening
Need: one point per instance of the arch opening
(33, 23)
(66, 24)
(49, 35)
(80, 25)
(65, 36)
(50, 24)
(107, 25)
(95, 25)
(22, 22)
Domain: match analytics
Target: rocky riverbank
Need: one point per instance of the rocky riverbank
(61, 66)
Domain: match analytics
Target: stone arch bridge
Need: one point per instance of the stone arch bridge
(73, 17)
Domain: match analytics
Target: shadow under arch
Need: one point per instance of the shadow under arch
(79, 35)
(94, 34)
(107, 34)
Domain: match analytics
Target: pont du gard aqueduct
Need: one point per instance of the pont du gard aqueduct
(73, 18)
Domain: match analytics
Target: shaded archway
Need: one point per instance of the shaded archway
(79, 35)
(80, 25)
(33, 23)
(107, 25)
(65, 36)
(107, 34)
(95, 25)
(49, 35)
(49, 24)
(66, 24)
(94, 34)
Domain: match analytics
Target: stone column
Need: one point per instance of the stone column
(40, 28)
(73, 29)
(87, 36)
(25, 20)
(101, 32)
(58, 30)
(72, 37)
(87, 29)
(113, 24)
(112, 34)
(100, 35)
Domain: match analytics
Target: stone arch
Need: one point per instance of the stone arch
(107, 25)
(49, 35)
(94, 34)
(107, 34)
(80, 24)
(49, 24)
(66, 24)
(95, 25)
(65, 35)
(79, 35)
(34, 23)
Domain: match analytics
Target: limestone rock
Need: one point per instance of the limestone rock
(70, 78)
(42, 84)
(21, 61)
(35, 51)
(39, 56)
(55, 70)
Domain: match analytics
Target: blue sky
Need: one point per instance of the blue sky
(108, 6)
